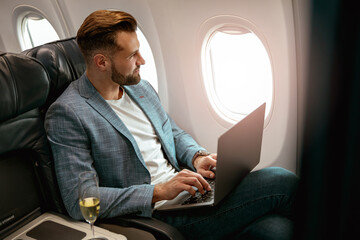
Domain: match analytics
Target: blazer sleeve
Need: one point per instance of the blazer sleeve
(185, 145)
(72, 154)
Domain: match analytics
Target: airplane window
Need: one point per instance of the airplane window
(147, 71)
(36, 30)
(238, 73)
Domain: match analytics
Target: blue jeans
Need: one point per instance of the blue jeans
(260, 207)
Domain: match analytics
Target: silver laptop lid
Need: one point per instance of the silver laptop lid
(239, 151)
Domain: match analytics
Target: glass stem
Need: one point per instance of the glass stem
(92, 229)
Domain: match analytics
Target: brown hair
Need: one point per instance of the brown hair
(98, 31)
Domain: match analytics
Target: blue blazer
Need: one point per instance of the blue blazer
(86, 134)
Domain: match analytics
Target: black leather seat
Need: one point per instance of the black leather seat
(65, 63)
(26, 173)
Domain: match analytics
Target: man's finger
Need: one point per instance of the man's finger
(207, 173)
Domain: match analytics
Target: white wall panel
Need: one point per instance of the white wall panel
(179, 26)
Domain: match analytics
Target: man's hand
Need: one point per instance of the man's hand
(204, 164)
(183, 181)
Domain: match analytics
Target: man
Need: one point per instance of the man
(110, 121)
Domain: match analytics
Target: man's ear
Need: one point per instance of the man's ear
(101, 62)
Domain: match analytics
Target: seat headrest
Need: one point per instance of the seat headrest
(64, 62)
(24, 85)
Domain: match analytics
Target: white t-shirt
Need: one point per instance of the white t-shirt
(144, 134)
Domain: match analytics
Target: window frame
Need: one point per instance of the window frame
(208, 29)
(19, 16)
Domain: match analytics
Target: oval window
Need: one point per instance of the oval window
(238, 75)
(36, 30)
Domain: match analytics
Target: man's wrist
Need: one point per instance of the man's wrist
(200, 153)
(156, 194)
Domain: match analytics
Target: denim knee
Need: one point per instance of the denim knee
(279, 175)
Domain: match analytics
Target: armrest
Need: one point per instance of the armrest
(160, 230)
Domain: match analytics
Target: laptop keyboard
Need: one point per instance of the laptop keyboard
(200, 198)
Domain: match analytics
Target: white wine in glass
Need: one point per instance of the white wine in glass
(89, 199)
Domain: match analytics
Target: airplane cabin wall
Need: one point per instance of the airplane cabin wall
(10, 9)
(179, 26)
(175, 31)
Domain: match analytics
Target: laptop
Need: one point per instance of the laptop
(238, 152)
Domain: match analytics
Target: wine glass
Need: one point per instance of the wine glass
(89, 198)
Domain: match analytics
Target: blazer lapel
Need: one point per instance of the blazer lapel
(150, 108)
(98, 103)
(141, 99)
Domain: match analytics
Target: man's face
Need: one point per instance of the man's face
(125, 63)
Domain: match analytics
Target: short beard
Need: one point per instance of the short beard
(122, 80)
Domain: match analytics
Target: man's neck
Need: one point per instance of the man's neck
(108, 89)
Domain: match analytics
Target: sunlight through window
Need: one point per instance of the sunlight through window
(147, 71)
(239, 75)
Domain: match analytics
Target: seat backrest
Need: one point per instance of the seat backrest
(63, 61)
(25, 157)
